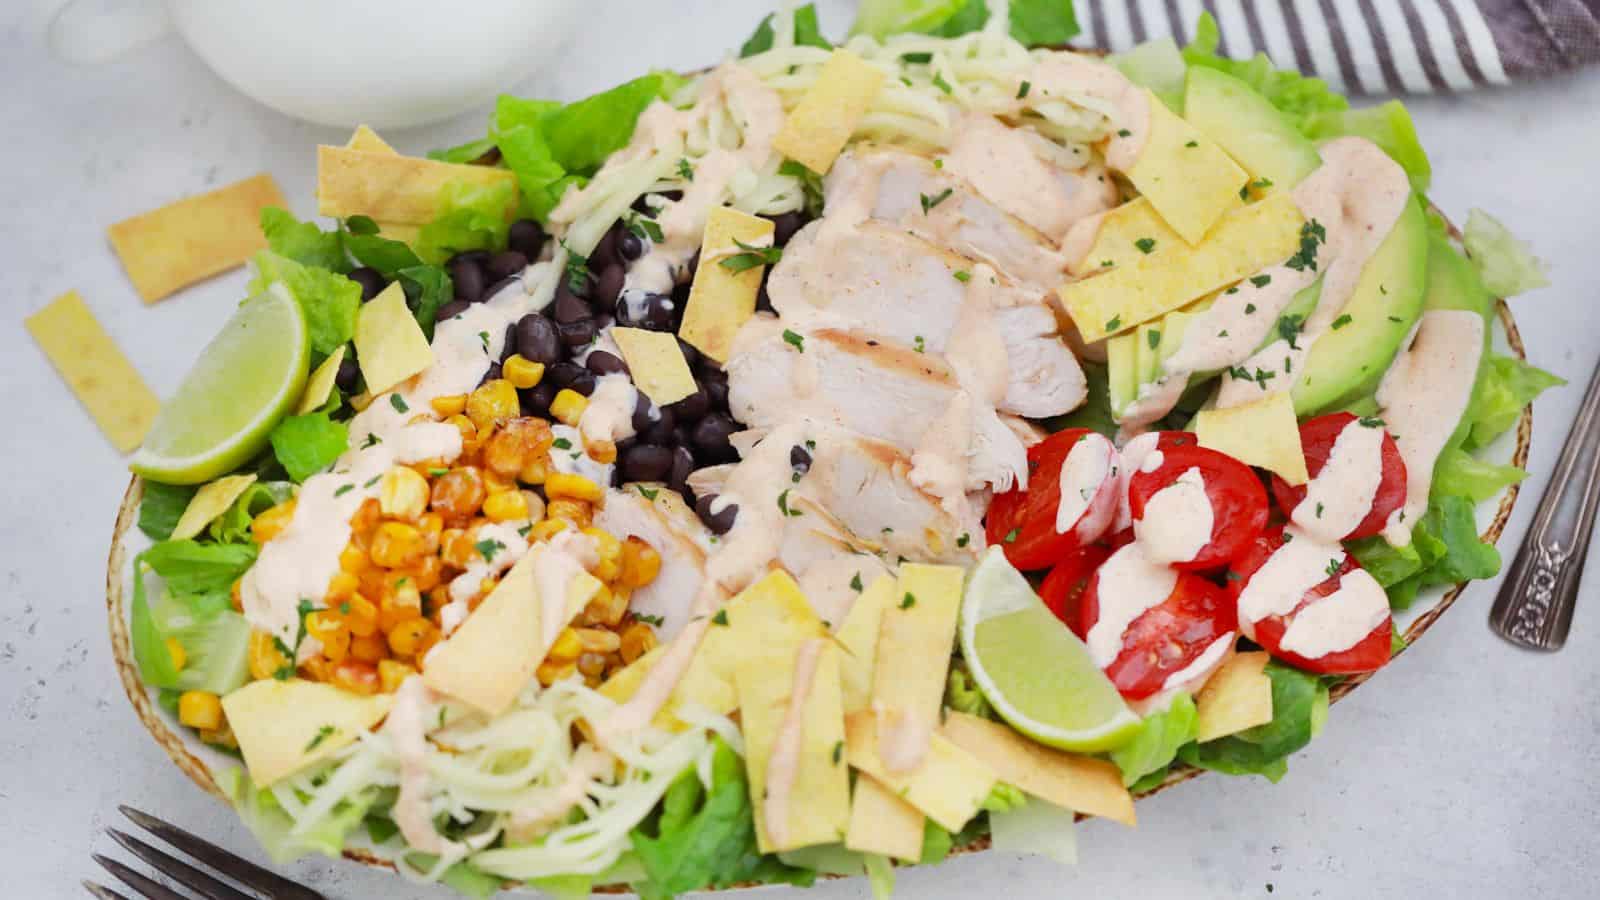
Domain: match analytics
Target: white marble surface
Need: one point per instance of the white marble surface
(1466, 769)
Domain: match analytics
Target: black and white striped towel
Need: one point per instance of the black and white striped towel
(1371, 46)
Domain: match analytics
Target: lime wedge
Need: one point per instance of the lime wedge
(245, 380)
(1034, 671)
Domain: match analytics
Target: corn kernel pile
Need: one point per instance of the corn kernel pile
(382, 611)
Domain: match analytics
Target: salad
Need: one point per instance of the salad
(810, 466)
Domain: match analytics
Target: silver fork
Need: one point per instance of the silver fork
(1534, 607)
(265, 884)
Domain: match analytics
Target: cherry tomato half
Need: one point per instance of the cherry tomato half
(1367, 654)
(1166, 638)
(1134, 453)
(1062, 590)
(1023, 522)
(1238, 501)
(1317, 437)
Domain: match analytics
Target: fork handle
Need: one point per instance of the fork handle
(1534, 607)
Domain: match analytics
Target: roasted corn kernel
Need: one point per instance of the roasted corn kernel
(493, 402)
(568, 406)
(598, 640)
(403, 494)
(577, 512)
(459, 493)
(535, 505)
(354, 560)
(609, 552)
(391, 674)
(545, 529)
(551, 672)
(637, 640)
(179, 656)
(523, 373)
(606, 607)
(369, 649)
(360, 615)
(516, 444)
(265, 658)
(640, 563)
(397, 544)
(200, 709)
(572, 487)
(408, 638)
(601, 451)
(506, 506)
(567, 646)
(356, 676)
(270, 523)
(451, 405)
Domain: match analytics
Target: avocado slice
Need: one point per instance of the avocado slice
(1248, 127)
(1122, 375)
(1346, 363)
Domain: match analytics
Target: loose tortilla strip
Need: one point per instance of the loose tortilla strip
(656, 364)
(1237, 697)
(949, 786)
(882, 823)
(389, 344)
(721, 300)
(209, 502)
(818, 128)
(1092, 786)
(193, 239)
(366, 139)
(393, 189)
(89, 361)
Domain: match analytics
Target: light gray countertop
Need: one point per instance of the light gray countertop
(1465, 769)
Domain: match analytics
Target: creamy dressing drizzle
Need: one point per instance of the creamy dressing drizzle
(1006, 167)
(1098, 86)
(1088, 476)
(1178, 519)
(1340, 620)
(572, 460)
(1342, 493)
(1422, 399)
(588, 765)
(609, 415)
(783, 765)
(505, 544)
(1282, 581)
(1136, 454)
(1130, 583)
(407, 729)
(1195, 673)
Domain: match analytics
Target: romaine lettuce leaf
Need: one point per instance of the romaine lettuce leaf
(233, 526)
(1461, 474)
(388, 256)
(806, 33)
(266, 819)
(189, 568)
(1505, 387)
(305, 445)
(328, 299)
(1299, 97)
(427, 289)
(1034, 23)
(1507, 264)
(1299, 706)
(474, 217)
(463, 153)
(1444, 549)
(302, 242)
(162, 507)
(1156, 743)
(881, 18)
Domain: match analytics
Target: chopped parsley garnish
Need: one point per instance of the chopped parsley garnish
(399, 403)
(1249, 309)
(751, 257)
(1312, 235)
(1023, 89)
(964, 539)
(1232, 576)
(919, 344)
(561, 443)
(1232, 290)
(322, 734)
(483, 338)
(1145, 244)
(938, 164)
(1396, 319)
(371, 441)
(437, 471)
(1222, 333)
(794, 339)
(685, 169)
(940, 83)
(1153, 338)
(344, 489)
(1113, 323)
(928, 203)
(1260, 281)
(783, 505)
(1123, 132)
(1289, 328)
(645, 229)
(810, 184)
(1370, 422)
(1259, 184)
(1341, 322)
(1192, 144)
(372, 481)
(649, 619)
(721, 618)
(838, 751)
(488, 548)
(578, 274)
(648, 493)
(963, 276)
(525, 530)
(1011, 536)
(1333, 567)
(1319, 510)
(855, 582)
(908, 601)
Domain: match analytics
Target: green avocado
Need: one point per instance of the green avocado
(1347, 362)
(1248, 127)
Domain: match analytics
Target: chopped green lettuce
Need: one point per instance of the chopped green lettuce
(1004, 798)
(1507, 265)
(1156, 743)
(233, 526)
(1444, 549)
(880, 875)
(388, 256)
(1505, 387)
(189, 568)
(302, 242)
(273, 827)
(881, 18)
(463, 153)
(328, 299)
(1460, 473)
(806, 33)
(1035, 23)
(1298, 97)
(1299, 705)
(427, 289)
(162, 507)
(962, 694)
(1038, 829)
(1388, 125)
(1157, 65)
(305, 445)
(197, 578)
(473, 217)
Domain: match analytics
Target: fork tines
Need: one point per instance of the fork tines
(266, 884)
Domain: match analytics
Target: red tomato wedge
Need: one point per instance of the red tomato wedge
(1023, 522)
(1166, 638)
(1134, 453)
(1062, 590)
(1365, 655)
(1317, 437)
(1238, 503)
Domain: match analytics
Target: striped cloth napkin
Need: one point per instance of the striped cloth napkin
(1371, 46)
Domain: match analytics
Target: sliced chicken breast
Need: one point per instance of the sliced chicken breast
(1028, 176)
(671, 527)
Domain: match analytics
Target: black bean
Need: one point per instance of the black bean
(584, 383)
(506, 264)
(683, 435)
(674, 196)
(568, 307)
(605, 252)
(629, 247)
(451, 310)
(661, 431)
(348, 377)
(646, 462)
(656, 313)
(492, 374)
(764, 299)
(682, 465)
(692, 267)
(493, 290)
(641, 412)
(562, 374)
(711, 438)
(536, 400)
(602, 363)
(692, 407)
(691, 356)
(526, 237)
(785, 225)
(717, 391)
(719, 522)
(372, 282)
(477, 256)
(509, 346)
(607, 288)
(537, 340)
(799, 459)
(706, 366)
(468, 278)
(577, 334)
(643, 206)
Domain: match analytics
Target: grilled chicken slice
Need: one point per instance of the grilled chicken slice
(1043, 184)
(863, 385)
(906, 191)
(875, 279)
(671, 527)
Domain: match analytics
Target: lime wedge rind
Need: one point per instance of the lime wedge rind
(245, 380)
(999, 597)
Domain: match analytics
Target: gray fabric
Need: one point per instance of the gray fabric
(1537, 37)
